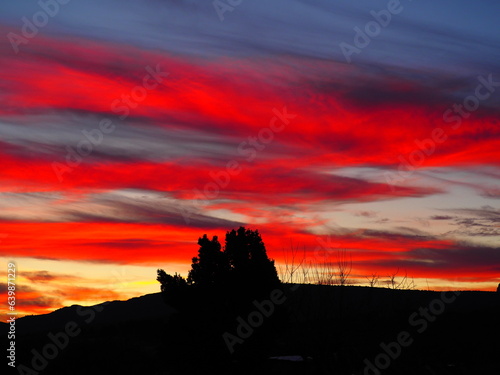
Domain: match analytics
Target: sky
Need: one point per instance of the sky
(128, 129)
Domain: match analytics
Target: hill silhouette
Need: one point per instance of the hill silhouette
(129, 337)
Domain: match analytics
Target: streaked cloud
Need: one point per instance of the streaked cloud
(220, 89)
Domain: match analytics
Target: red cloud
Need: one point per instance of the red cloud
(344, 118)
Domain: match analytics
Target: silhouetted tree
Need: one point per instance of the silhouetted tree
(373, 279)
(210, 268)
(195, 327)
(250, 267)
(242, 267)
(221, 286)
(173, 288)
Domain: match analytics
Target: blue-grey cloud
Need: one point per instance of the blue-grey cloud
(423, 33)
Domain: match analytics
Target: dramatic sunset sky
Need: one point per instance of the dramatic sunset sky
(202, 121)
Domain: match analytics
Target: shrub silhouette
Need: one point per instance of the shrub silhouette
(221, 285)
(173, 288)
(242, 266)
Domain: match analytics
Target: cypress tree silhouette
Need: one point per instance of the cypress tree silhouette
(210, 268)
(242, 267)
(251, 271)
(221, 286)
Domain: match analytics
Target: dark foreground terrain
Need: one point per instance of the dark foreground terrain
(308, 330)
